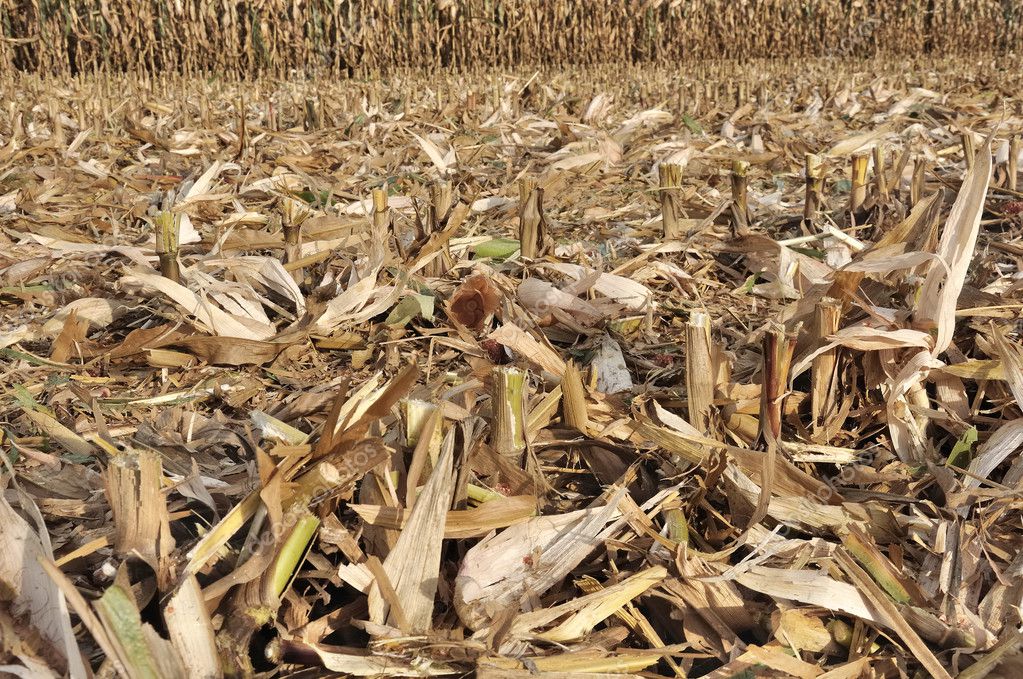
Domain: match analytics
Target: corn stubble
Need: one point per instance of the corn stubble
(576, 371)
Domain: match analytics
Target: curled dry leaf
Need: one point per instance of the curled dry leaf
(540, 297)
(231, 350)
(474, 302)
(47, 642)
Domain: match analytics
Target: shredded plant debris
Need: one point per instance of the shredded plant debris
(574, 372)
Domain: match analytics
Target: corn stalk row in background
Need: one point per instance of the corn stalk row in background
(344, 36)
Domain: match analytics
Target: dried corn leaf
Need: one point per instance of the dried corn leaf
(413, 564)
(528, 557)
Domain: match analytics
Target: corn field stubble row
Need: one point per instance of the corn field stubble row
(576, 371)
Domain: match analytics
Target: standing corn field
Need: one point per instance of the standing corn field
(345, 36)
